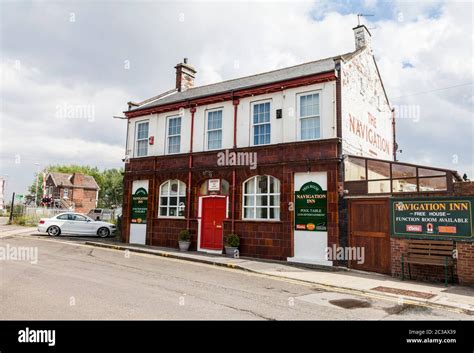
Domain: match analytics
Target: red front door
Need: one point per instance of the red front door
(213, 214)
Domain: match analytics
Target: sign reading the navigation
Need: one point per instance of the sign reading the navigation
(443, 217)
(311, 208)
(139, 206)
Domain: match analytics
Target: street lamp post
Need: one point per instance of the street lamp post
(36, 189)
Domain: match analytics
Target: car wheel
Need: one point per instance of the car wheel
(54, 231)
(103, 232)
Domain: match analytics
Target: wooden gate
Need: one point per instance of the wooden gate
(369, 227)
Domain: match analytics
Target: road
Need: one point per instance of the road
(71, 280)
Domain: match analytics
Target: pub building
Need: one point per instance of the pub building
(294, 161)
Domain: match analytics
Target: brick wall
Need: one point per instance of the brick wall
(263, 239)
(465, 263)
(463, 267)
(84, 199)
(464, 188)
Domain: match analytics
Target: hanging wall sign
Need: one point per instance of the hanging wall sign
(214, 185)
(139, 206)
(311, 208)
(449, 217)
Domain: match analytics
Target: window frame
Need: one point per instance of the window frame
(300, 118)
(168, 136)
(168, 196)
(362, 186)
(206, 122)
(255, 195)
(252, 125)
(135, 150)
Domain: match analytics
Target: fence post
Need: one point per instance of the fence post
(11, 209)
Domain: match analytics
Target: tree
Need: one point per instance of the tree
(110, 182)
(111, 188)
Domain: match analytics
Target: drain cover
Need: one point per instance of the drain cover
(409, 293)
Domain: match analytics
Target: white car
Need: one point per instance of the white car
(75, 224)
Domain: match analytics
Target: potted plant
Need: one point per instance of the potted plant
(231, 244)
(184, 240)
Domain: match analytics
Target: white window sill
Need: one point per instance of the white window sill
(315, 139)
(261, 220)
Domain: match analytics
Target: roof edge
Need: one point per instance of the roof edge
(344, 57)
(236, 92)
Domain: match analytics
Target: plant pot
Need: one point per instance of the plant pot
(184, 245)
(230, 251)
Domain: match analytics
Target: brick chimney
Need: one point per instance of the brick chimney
(184, 76)
(362, 37)
(77, 179)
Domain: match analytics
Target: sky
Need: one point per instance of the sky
(67, 68)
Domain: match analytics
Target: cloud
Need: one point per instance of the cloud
(115, 52)
(437, 49)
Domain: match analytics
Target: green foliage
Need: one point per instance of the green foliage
(25, 221)
(233, 240)
(111, 188)
(110, 182)
(184, 235)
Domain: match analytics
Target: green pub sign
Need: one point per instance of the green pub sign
(311, 208)
(139, 206)
(443, 217)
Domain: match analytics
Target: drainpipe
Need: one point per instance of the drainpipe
(342, 238)
(394, 136)
(236, 105)
(190, 174)
(235, 102)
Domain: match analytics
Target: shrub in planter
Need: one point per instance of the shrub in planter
(184, 240)
(232, 243)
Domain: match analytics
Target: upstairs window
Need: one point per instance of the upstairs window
(310, 126)
(214, 130)
(261, 123)
(142, 139)
(172, 199)
(174, 134)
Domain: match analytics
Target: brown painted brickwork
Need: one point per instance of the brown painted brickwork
(262, 239)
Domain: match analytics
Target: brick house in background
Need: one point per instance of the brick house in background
(72, 191)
